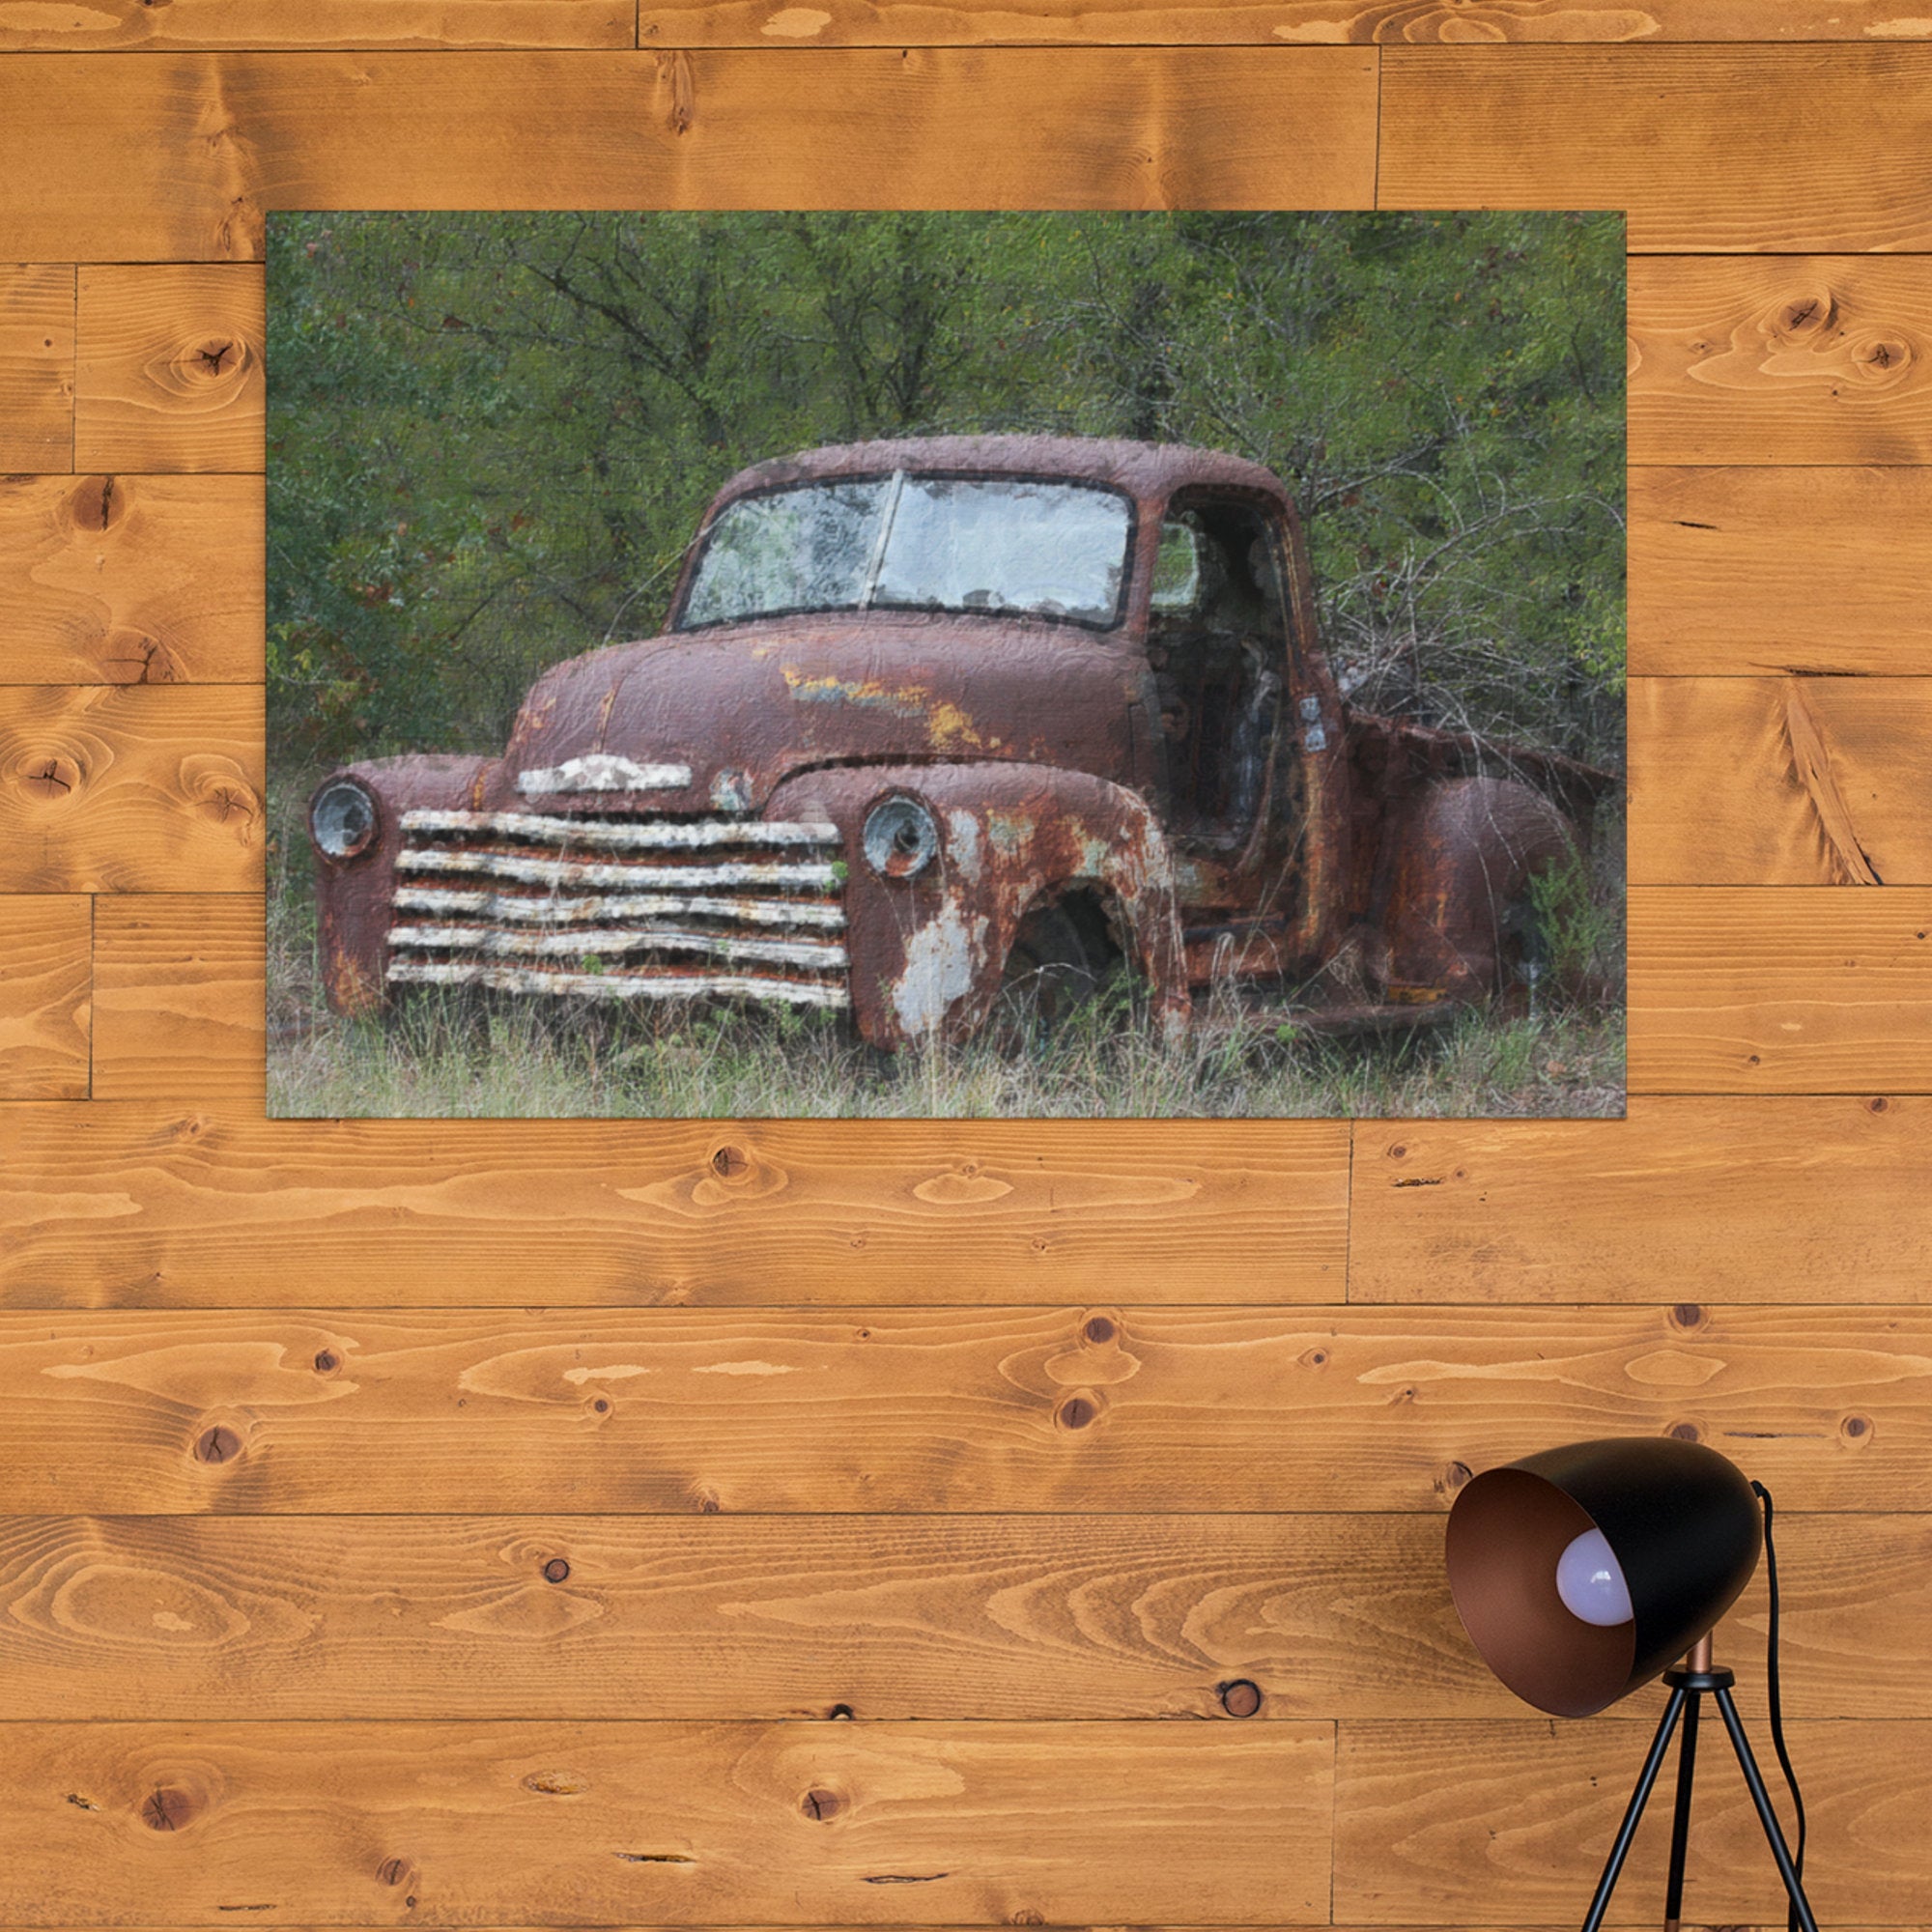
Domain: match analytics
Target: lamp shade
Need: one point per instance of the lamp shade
(1678, 1530)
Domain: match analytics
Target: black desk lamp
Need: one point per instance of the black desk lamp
(1580, 1573)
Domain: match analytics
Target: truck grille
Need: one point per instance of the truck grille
(620, 909)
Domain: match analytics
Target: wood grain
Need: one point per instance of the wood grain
(1446, 1823)
(156, 1205)
(1802, 359)
(957, 1411)
(109, 24)
(1056, 1618)
(1825, 780)
(36, 367)
(130, 788)
(105, 24)
(1737, 571)
(170, 367)
(1216, 22)
(1706, 149)
(128, 158)
(131, 579)
(1793, 1201)
(620, 1823)
(1813, 991)
(177, 997)
(44, 998)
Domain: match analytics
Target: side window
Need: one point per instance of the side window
(1177, 568)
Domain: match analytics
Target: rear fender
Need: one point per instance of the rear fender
(1469, 849)
(928, 952)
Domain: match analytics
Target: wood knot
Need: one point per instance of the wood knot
(396, 1871)
(1399, 1151)
(48, 774)
(168, 1808)
(556, 1571)
(1687, 1317)
(1855, 1428)
(1099, 1328)
(326, 1361)
(220, 1444)
(841, 1712)
(1026, 1916)
(1453, 1476)
(821, 1804)
(97, 505)
(1077, 1411)
(1687, 1432)
(1241, 1698)
(1313, 1358)
(215, 359)
(1877, 1104)
(731, 1163)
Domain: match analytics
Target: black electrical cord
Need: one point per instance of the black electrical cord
(1777, 1702)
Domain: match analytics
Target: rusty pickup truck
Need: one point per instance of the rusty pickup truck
(934, 717)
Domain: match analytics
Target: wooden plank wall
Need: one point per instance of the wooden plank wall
(770, 1525)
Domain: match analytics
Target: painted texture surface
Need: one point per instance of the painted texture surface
(507, 1525)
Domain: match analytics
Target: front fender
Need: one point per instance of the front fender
(352, 896)
(928, 953)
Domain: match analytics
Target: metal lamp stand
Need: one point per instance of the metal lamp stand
(1688, 1686)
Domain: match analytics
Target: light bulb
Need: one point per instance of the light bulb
(1591, 1582)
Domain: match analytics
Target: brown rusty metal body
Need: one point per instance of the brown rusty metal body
(1055, 761)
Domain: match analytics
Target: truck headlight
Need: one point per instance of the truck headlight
(900, 838)
(342, 818)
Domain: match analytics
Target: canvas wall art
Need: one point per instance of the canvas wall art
(919, 663)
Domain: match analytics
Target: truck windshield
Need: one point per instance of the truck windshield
(916, 543)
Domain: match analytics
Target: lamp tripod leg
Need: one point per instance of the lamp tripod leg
(1640, 1798)
(1794, 1888)
(1679, 1823)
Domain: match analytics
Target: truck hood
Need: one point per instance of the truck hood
(713, 719)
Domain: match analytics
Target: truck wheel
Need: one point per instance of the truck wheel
(1058, 957)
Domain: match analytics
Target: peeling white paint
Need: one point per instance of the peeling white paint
(618, 986)
(942, 964)
(570, 872)
(962, 845)
(602, 770)
(526, 908)
(644, 835)
(819, 955)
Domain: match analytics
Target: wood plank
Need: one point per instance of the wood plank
(1446, 1823)
(159, 1206)
(957, 1411)
(1705, 148)
(44, 998)
(713, 1824)
(131, 579)
(178, 997)
(1824, 780)
(1058, 1618)
(170, 367)
(1812, 990)
(36, 367)
(108, 24)
(751, 24)
(128, 158)
(1805, 359)
(99, 25)
(1737, 571)
(1791, 1200)
(130, 788)
(165, 1206)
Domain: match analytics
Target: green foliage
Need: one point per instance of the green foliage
(490, 436)
(1576, 929)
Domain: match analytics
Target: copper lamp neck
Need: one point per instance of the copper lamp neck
(1698, 1656)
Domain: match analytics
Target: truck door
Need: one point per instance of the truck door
(1217, 642)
